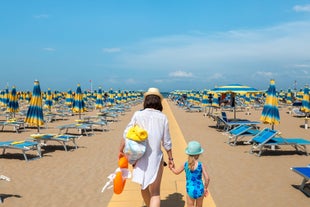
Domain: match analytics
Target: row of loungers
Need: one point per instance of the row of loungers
(268, 139)
(263, 140)
(36, 141)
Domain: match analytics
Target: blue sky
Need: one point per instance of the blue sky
(169, 44)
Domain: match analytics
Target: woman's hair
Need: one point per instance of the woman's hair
(152, 101)
(191, 161)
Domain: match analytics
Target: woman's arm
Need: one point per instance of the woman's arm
(121, 148)
(170, 158)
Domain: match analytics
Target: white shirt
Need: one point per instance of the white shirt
(156, 124)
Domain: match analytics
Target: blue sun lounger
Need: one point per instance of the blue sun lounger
(239, 132)
(267, 139)
(24, 146)
(228, 125)
(62, 139)
(305, 173)
(83, 127)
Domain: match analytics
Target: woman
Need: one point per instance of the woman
(148, 169)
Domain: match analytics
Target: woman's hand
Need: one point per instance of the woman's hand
(171, 164)
(121, 154)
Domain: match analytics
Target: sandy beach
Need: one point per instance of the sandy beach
(75, 178)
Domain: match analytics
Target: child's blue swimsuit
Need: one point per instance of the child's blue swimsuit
(194, 184)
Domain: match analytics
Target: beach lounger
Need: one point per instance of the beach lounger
(239, 132)
(62, 139)
(81, 127)
(228, 125)
(266, 139)
(305, 173)
(24, 146)
(193, 108)
(17, 125)
(297, 113)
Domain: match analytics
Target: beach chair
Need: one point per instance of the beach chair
(228, 125)
(266, 139)
(24, 146)
(239, 132)
(62, 139)
(17, 125)
(305, 173)
(193, 108)
(297, 113)
(81, 127)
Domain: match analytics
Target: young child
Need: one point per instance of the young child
(195, 187)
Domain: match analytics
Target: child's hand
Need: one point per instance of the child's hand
(206, 192)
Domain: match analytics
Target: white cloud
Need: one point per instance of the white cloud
(41, 16)
(158, 81)
(216, 76)
(130, 81)
(181, 74)
(302, 8)
(49, 49)
(265, 74)
(302, 66)
(111, 50)
(226, 57)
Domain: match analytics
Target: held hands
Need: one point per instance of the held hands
(171, 164)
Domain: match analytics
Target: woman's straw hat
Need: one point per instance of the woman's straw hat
(153, 91)
(193, 148)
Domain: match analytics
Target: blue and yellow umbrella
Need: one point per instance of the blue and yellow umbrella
(78, 102)
(34, 115)
(49, 100)
(13, 105)
(69, 99)
(270, 113)
(234, 89)
(111, 98)
(305, 103)
(289, 97)
(99, 99)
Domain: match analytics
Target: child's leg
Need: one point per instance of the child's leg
(190, 201)
(199, 201)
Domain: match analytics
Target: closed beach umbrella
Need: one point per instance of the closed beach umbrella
(215, 101)
(111, 101)
(78, 102)
(305, 103)
(270, 113)
(13, 106)
(289, 97)
(205, 100)
(69, 98)
(99, 100)
(5, 97)
(49, 100)
(34, 115)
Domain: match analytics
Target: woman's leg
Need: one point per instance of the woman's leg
(146, 196)
(154, 188)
